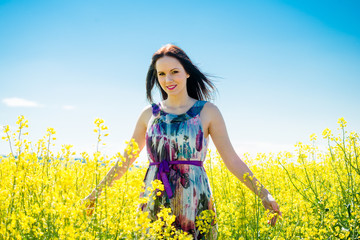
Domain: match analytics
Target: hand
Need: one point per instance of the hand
(269, 203)
(89, 203)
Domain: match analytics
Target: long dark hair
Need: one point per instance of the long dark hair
(198, 85)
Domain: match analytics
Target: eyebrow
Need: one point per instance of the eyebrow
(170, 69)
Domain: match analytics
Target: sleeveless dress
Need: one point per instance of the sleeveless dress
(176, 149)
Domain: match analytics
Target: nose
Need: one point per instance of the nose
(169, 78)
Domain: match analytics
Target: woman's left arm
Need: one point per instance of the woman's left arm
(219, 135)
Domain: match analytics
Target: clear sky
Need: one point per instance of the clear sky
(284, 69)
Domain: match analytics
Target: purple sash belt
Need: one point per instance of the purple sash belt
(164, 168)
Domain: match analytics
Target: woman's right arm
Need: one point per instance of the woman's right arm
(116, 172)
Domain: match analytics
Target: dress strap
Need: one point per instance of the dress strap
(155, 109)
(196, 109)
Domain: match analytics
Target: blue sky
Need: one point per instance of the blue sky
(284, 69)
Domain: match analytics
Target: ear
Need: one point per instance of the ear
(187, 76)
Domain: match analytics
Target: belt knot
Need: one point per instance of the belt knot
(164, 167)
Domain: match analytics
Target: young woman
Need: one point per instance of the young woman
(176, 134)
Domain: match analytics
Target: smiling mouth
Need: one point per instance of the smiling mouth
(171, 87)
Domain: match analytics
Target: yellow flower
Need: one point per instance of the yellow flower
(205, 221)
(326, 133)
(313, 137)
(342, 122)
(50, 131)
(6, 129)
(245, 176)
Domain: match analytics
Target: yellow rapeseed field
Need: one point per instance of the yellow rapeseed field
(41, 191)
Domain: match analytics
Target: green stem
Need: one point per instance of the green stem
(297, 189)
(7, 134)
(309, 181)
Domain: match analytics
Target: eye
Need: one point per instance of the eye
(161, 74)
(175, 71)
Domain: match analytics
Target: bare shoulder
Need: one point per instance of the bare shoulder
(213, 119)
(145, 115)
(210, 114)
(211, 110)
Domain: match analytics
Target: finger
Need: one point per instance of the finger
(89, 211)
(274, 220)
(277, 209)
(278, 212)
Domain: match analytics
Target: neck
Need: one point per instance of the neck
(178, 101)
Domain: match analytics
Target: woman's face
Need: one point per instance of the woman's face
(171, 75)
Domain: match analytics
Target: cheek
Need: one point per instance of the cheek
(181, 79)
(161, 82)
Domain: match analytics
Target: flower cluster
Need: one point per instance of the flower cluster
(157, 188)
(99, 129)
(317, 191)
(205, 221)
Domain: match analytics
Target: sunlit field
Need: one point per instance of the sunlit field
(41, 191)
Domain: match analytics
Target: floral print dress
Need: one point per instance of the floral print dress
(171, 138)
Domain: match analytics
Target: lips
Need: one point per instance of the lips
(171, 87)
